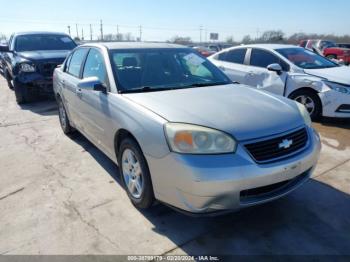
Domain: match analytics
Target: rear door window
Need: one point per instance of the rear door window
(76, 62)
(236, 56)
(66, 65)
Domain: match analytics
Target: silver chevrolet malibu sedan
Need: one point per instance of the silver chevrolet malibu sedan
(180, 131)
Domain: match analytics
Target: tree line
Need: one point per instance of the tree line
(272, 36)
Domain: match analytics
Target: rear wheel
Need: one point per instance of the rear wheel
(64, 120)
(135, 174)
(331, 57)
(311, 101)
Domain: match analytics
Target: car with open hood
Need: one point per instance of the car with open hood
(181, 131)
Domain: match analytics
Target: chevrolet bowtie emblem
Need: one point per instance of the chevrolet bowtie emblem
(286, 143)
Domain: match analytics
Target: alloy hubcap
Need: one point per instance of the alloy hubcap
(132, 173)
(307, 102)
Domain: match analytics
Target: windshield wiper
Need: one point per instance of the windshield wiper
(145, 89)
(209, 84)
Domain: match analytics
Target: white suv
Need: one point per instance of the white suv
(320, 84)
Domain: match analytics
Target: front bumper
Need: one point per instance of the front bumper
(333, 100)
(221, 183)
(36, 83)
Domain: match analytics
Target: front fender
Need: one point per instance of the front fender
(145, 125)
(297, 81)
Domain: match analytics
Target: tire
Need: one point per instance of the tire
(330, 57)
(135, 173)
(63, 117)
(21, 93)
(311, 101)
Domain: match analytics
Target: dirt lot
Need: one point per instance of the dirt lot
(61, 195)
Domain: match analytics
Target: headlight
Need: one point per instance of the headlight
(305, 114)
(192, 139)
(338, 87)
(26, 68)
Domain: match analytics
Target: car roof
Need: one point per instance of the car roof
(270, 46)
(135, 45)
(39, 33)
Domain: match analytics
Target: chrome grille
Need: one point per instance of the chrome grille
(279, 147)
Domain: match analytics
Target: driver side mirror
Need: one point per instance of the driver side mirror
(4, 48)
(275, 68)
(92, 84)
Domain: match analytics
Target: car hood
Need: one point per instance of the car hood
(239, 110)
(335, 74)
(44, 55)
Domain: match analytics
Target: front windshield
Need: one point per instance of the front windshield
(305, 58)
(43, 42)
(163, 69)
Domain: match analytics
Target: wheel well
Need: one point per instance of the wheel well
(118, 138)
(308, 89)
(303, 89)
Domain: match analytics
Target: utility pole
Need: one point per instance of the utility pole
(76, 28)
(101, 29)
(90, 32)
(118, 33)
(82, 33)
(69, 30)
(200, 33)
(140, 33)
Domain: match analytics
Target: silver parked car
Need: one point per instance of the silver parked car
(180, 131)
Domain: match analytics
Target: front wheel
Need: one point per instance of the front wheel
(311, 101)
(21, 93)
(135, 174)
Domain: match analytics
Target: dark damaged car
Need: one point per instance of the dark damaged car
(29, 61)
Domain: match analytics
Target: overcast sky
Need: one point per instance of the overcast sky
(162, 19)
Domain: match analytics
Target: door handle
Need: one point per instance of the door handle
(79, 93)
(251, 73)
(222, 68)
